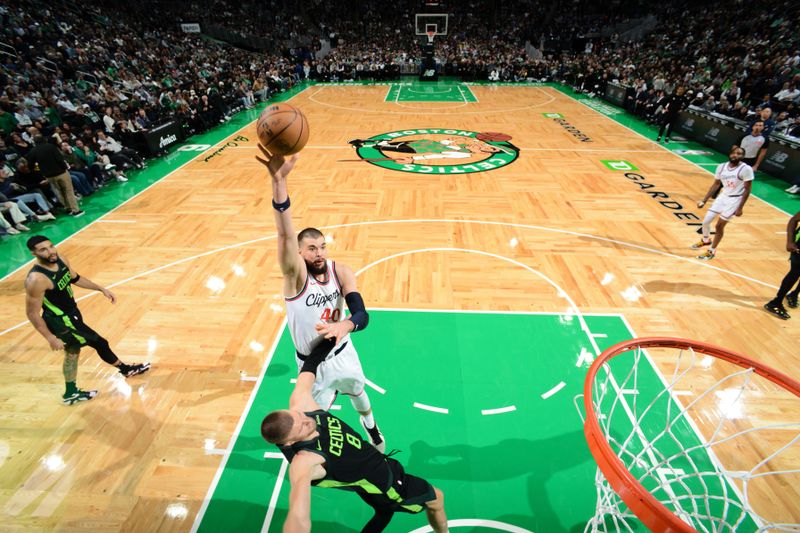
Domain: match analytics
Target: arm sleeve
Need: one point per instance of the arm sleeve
(358, 312)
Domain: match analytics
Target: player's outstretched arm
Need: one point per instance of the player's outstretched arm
(279, 168)
(301, 398)
(86, 283)
(298, 519)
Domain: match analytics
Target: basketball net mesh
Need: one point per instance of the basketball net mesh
(653, 434)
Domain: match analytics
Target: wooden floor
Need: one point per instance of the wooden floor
(194, 269)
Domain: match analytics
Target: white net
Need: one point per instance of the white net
(715, 443)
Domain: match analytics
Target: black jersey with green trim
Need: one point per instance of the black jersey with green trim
(351, 463)
(59, 300)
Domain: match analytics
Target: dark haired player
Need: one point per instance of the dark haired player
(48, 287)
(315, 290)
(734, 181)
(325, 452)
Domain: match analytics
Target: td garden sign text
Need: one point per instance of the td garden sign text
(664, 199)
(437, 151)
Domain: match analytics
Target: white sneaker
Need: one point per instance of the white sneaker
(121, 178)
(22, 227)
(12, 231)
(46, 216)
(794, 189)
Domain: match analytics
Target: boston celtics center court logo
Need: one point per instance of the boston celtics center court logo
(438, 151)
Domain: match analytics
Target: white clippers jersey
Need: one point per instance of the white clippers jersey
(317, 302)
(733, 178)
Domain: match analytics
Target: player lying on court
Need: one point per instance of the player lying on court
(325, 452)
(315, 290)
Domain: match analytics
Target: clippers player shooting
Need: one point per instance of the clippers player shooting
(315, 289)
(325, 452)
(735, 180)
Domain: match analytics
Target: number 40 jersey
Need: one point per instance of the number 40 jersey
(317, 302)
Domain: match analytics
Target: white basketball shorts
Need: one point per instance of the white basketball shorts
(340, 372)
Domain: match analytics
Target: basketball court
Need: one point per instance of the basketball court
(502, 236)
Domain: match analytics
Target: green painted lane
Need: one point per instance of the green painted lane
(444, 90)
(529, 467)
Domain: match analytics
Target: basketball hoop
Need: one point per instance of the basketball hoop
(431, 35)
(655, 467)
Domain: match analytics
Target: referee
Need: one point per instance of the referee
(755, 145)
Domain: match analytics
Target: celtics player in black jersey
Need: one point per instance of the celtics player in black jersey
(48, 287)
(325, 452)
(775, 306)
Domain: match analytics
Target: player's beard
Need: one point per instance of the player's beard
(315, 270)
(733, 160)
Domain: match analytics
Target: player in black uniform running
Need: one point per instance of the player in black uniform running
(325, 452)
(48, 287)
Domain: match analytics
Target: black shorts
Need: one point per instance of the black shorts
(69, 327)
(407, 494)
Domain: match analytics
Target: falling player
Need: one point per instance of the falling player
(315, 289)
(323, 451)
(735, 180)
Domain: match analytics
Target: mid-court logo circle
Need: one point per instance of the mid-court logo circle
(438, 151)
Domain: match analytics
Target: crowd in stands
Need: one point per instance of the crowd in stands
(93, 80)
(728, 64)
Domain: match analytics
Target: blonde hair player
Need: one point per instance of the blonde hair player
(323, 451)
(734, 180)
(315, 289)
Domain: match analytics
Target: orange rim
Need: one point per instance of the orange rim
(647, 508)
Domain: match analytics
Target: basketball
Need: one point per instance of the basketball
(282, 129)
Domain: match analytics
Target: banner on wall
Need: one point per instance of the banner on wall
(783, 156)
(190, 27)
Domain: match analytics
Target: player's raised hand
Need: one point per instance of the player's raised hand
(278, 166)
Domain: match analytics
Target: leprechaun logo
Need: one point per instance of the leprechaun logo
(437, 151)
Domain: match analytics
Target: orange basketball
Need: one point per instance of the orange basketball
(282, 129)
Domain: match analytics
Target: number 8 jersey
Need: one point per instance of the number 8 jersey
(317, 302)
